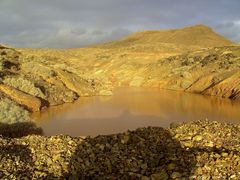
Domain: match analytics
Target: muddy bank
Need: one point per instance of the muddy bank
(199, 149)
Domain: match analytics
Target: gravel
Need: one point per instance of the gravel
(194, 150)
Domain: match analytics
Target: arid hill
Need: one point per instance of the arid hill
(188, 38)
(193, 59)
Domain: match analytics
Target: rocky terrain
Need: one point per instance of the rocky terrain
(193, 59)
(31, 83)
(194, 150)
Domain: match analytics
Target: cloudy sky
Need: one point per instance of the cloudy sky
(77, 23)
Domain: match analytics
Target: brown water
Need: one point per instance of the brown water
(130, 108)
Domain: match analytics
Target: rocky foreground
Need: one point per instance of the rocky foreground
(194, 150)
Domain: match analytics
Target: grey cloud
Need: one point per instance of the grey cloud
(230, 29)
(77, 23)
(79, 31)
(97, 32)
(67, 37)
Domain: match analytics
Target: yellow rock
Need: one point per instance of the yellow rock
(105, 93)
(75, 83)
(30, 102)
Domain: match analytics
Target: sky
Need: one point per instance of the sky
(79, 23)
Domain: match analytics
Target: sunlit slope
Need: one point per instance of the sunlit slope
(193, 59)
(35, 81)
(189, 38)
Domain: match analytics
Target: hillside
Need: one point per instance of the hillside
(184, 60)
(34, 79)
(188, 38)
(32, 83)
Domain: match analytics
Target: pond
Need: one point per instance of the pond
(130, 108)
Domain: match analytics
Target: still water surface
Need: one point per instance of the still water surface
(130, 108)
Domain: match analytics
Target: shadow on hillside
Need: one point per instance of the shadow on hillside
(145, 151)
(19, 155)
(19, 129)
(16, 152)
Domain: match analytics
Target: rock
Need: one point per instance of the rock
(160, 176)
(233, 176)
(75, 83)
(187, 143)
(105, 93)
(209, 144)
(136, 81)
(201, 84)
(11, 112)
(102, 147)
(176, 175)
(185, 84)
(125, 139)
(186, 75)
(174, 125)
(171, 166)
(199, 171)
(224, 154)
(145, 178)
(197, 138)
(25, 85)
(144, 166)
(227, 88)
(30, 102)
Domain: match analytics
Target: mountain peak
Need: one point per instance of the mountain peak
(198, 27)
(201, 26)
(197, 36)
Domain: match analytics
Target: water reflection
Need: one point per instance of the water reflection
(130, 108)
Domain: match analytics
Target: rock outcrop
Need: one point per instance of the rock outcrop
(35, 81)
(30, 102)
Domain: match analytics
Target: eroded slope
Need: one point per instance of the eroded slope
(193, 59)
(34, 82)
